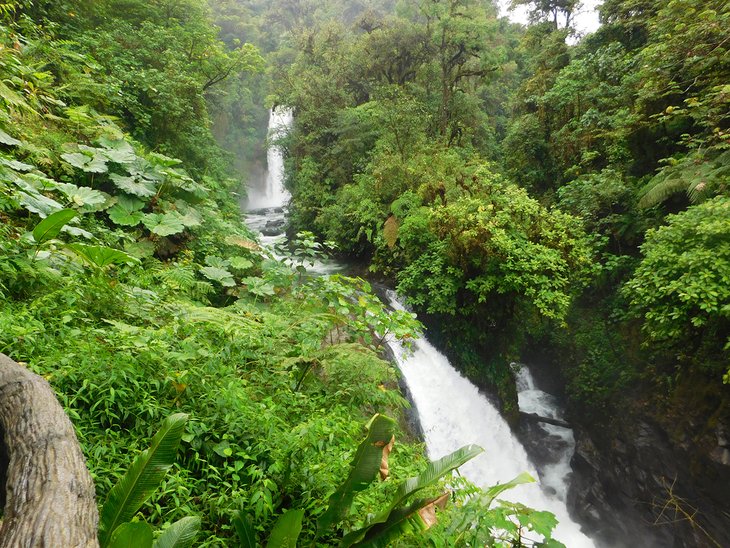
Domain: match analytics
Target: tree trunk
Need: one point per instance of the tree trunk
(48, 493)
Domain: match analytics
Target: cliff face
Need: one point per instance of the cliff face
(657, 478)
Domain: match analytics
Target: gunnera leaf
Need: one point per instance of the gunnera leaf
(137, 186)
(87, 161)
(220, 275)
(127, 211)
(165, 224)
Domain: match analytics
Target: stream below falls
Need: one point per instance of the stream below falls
(452, 412)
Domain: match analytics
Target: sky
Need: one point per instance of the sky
(586, 20)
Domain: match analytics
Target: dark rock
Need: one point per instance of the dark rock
(642, 490)
(274, 227)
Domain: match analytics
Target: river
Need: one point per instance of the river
(451, 410)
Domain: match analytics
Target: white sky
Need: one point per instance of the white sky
(586, 20)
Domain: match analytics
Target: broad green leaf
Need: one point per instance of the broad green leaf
(142, 478)
(433, 472)
(16, 165)
(134, 185)
(191, 217)
(494, 491)
(365, 467)
(36, 202)
(101, 256)
(49, 227)
(118, 151)
(165, 224)
(220, 275)
(8, 140)
(76, 231)
(240, 263)
(131, 535)
(127, 211)
(84, 196)
(90, 163)
(143, 169)
(245, 530)
(259, 286)
(286, 530)
(401, 521)
(162, 160)
(180, 534)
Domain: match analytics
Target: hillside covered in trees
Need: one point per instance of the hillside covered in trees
(534, 194)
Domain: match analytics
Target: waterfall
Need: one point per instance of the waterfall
(555, 444)
(453, 413)
(450, 409)
(273, 194)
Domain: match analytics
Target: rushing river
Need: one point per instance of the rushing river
(451, 410)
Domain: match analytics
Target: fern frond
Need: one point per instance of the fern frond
(660, 188)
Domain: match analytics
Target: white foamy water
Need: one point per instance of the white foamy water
(273, 194)
(453, 413)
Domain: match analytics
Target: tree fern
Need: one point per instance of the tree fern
(696, 174)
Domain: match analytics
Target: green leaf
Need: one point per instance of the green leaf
(90, 163)
(35, 202)
(142, 478)
(401, 521)
(365, 466)
(127, 211)
(16, 165)
(245, 530)
(8, 140)
(49, 227)
(259, 286)
(101, 256)
(240, 263)
(180, 534)
(433, 472)
(165, 224)
(131, 535)
(286, 530)
(137, 186)
(162, 160)
(220, 275)
(118, 151)
(494, 491)
(83, 196)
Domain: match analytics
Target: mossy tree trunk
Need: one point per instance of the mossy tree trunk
(48, 493)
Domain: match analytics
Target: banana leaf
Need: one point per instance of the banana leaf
(365, 467)
(391, 518)
(142, 478)
(180, 534)
(286, 530)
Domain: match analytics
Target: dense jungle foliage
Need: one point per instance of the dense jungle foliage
(530, 191)
(525, 193)
(130, 282)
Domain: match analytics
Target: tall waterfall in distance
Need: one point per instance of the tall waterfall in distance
(273, 194)
(453, 413)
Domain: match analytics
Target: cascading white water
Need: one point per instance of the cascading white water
(450, 408)
(558, 442)
(273, 194)
(453, 413)
(265, 205)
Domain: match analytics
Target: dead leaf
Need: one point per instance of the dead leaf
(428, 512)
(384, 470)
(390, 231)
(242, 242)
